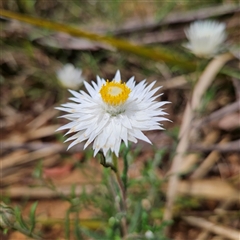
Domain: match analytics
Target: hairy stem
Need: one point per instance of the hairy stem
(123, 195)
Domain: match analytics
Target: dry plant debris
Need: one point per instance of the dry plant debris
(206, 165)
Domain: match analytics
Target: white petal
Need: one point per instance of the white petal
(125, 121)
(117, 77)
(138, 134)
(124, 135)
(90, 89)
(75, 94)
(131, 83)
(205, 37)
(67, 126)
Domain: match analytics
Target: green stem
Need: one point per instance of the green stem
(123, 195)
(125, 170)
(26, 232)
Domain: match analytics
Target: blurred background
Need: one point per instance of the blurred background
(70, 186)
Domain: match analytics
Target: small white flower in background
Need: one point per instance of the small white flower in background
(205, 38)
(70, 77)
(149, 234)
(113, 112)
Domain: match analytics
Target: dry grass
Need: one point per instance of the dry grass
(199, 175)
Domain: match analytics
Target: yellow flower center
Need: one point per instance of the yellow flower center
(114, 93)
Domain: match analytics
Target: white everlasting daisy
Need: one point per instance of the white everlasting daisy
(205, 37)
(113, 112)
(149, 234)
(70, 77)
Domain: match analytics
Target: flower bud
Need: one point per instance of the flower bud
(112, 221)
(7, 217)
(149, 234)
(146, 204)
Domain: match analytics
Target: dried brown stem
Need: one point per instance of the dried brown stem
(123, 196)
(205, 166)
(173, 18)
(45, 192)
(28, 157)
(202, 85)
(232, 146)
(218, 114)
(212, 227)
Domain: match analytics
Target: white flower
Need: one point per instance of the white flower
(205, 37)
(70, 77)
(114, 111)
(149, 234)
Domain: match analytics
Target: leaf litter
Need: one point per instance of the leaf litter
(28, 137)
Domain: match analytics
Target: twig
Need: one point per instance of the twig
(197, 188)
(236, 84)
(218, 114)
(233, 146)
(28, 157)
(212, 227)
(206, 188)
(175, 82)
(42, 118)
(203, 235)
(226, 204)
(203, 169)
(33, 146)
(173, 18)
(45, 192)
(219, 211)
(203, 83)
(161, 140)
(192, 158)
(207, 77)
(16, 174)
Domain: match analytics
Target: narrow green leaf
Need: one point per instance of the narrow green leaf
(67, 224)
(135, 219)
(77, 230)
(73, 191)
(37, 173)
(91, 234)
(32, 216)
(19, 218)
(231, 72)
(125, 169)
